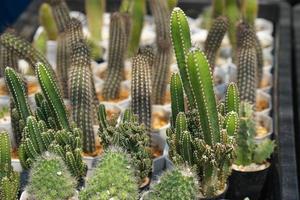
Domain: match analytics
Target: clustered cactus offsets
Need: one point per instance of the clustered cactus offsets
(9, 180)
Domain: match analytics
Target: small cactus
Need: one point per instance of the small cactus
(161, 14)
(214, 39)
(247, 63)
(175, 184)
(49, 179)
(60, 13)
(114, 178)
(141, 89)
(117, 48)
(177, 97)
(47, 21)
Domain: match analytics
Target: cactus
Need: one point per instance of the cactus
(47, 21)
(82, 94)
(214, 39)
(175, 184)
(94, 12)
(172, 4)
(53, 96)
(260, 60)
(162, 58)
(131, 136)
(7, 59)
(49, 179)
(177, 97)
(248, 151)
(181, 39)
(9, 180)
(117, 49)
(218, 8)
(40, 43)
(247, 63)
(249, 10)
(232, 99)
(114, 178)
(60, 13)
(141, 89)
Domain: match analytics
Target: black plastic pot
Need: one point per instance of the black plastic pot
(246, 184)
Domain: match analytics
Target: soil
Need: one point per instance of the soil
(3, 90)
(159, 120)
(264, 83)
(32, 88)
(261, 131)
(14, 153)
(262, 105)
(124, 94)
(156, 152)
(99, 150)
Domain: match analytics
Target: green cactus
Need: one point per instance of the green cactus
(117, 49)
(260, 60)
(53, 96)
(40, 43)
(49, 179)
(131, 136)
(249, 10)
(82, 94)
(7, 59)
(114, 178)
(175, 184)
(181, 39)
(161, 14)
(94, 12)
(172, 4)
(218, 8)
(232, 99)
(248, 151)
(177, 97)
(47, 21)
(9, 180)
(141, 89)
(247, 63)
(60, 13)
(214, 39)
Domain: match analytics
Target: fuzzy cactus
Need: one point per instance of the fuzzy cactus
(131, 136)
(218, 8)
(7, 59)
(50, 179)
(247, 63)
(9, 180)
(47, 21)
(214, 39)
(53, 96)
(117, 48)
(175, 184)
(161, 14)
(141, 89)
(60, 13)
(82, 94)
(114, 178)
(177, 97)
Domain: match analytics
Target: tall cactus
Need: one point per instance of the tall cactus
(218, 8)
(247, 63)
(214, 39)
(47, 21)
(60, 13)
(141, 89)
(177, 97)
(7, 59)
(82, 94)
(249, 10)
(117, 49)
(162, 58)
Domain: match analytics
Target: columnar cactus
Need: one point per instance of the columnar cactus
(47, 21)
(172, 4)
(60, 12)
(7, 59)
(218, 8)
(49, 179)
(117, 48)
(247, 63)
(161, 14)
(177, 97)
(214, 39)
(249, 10)
(53, 96)
(175, 184)
(9, 180)
(260, 60)
(82, 94)
(114, 178)
(141, 89)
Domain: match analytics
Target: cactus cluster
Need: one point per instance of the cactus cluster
(131, 136)
(175, 184)
(141, 88)
(161, 14)
(117, 48)
(113, 178)
(47, 21)
(210, 148)
(50, 179)
(60, 13)
(9, 180)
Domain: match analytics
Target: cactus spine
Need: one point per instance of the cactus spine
(114, 178)
(141, 89)
(247, 63)
(82, 94)
(49, 179)
(177, 97)
(47, 21)
(214, 39)
(9, 180)
(117, 48)
(7, 59)
(162, 58)
(60, 13)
